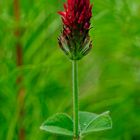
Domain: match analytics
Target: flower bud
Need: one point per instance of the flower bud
(74, 39)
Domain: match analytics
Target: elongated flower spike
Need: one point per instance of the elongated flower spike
(74, 39)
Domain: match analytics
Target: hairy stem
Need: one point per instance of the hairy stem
(75, 99)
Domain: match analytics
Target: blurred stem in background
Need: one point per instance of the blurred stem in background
(19, 61)
(75, 99)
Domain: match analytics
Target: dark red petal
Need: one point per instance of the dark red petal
(62, 13)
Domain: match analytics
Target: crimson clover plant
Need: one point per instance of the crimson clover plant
(76, 43)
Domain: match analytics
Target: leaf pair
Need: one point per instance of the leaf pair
(62, 124)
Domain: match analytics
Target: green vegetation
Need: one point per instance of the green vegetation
(40, 86)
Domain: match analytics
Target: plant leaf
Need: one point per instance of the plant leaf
(91, 122)
(59, 124)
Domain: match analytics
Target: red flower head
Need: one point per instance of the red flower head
(75, 40)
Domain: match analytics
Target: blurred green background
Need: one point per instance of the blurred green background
(109, 77)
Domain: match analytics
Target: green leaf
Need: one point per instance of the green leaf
(91, 122)
(60, 124)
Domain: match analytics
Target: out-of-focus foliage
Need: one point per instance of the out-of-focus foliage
(109, 77)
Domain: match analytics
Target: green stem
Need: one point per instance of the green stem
(75, 99)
